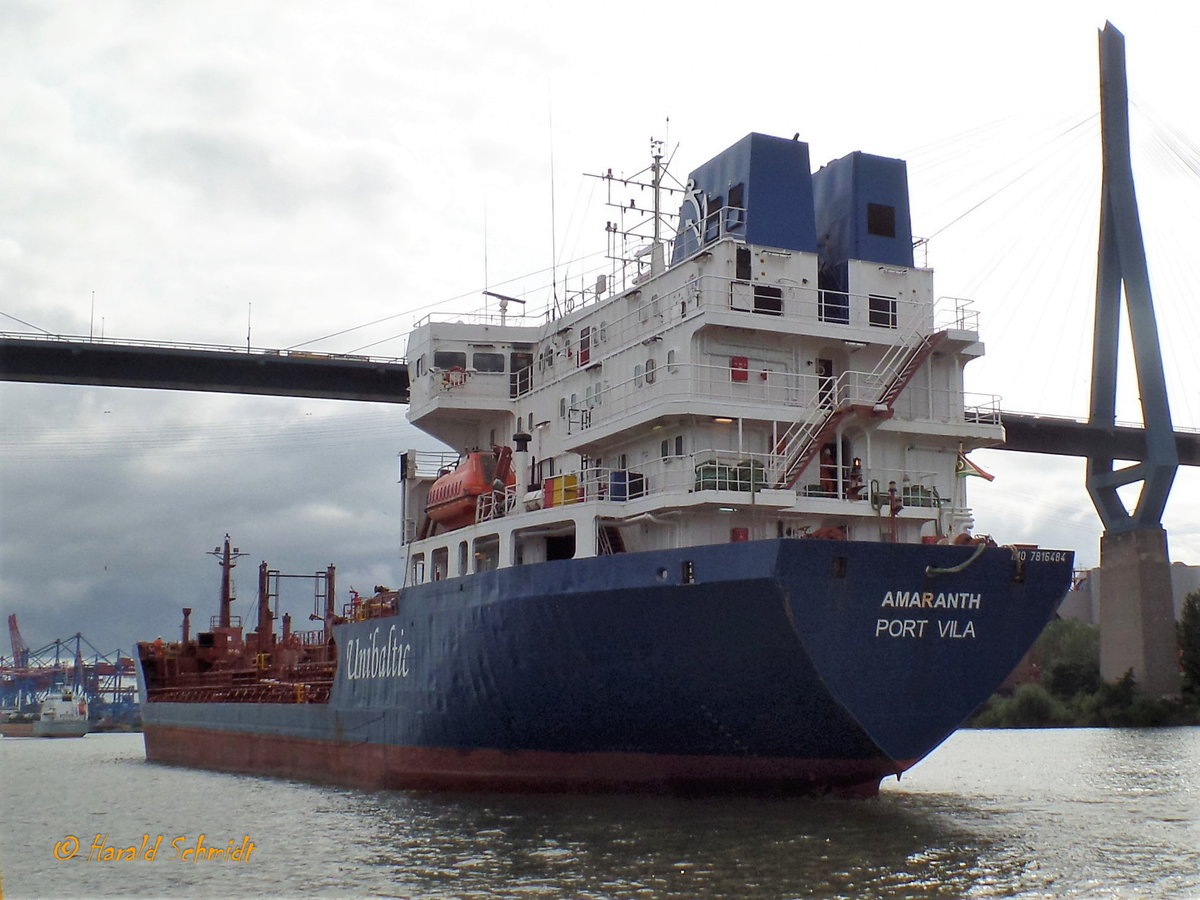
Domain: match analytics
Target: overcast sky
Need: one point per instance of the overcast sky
(286, 173)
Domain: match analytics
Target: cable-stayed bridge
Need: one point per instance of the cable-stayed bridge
(54, 359)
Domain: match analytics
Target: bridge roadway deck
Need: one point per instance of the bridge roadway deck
(280, 373)
(344, 377)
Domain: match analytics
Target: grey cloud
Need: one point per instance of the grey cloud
(236, 171)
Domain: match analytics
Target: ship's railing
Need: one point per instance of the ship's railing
(809, 305)
(944, 406)
(955, 313)
(725, 391)
(654, 306)
(482, 317)
(710, 469)
(712, 225)
(737, 472)
(648, 311)
(192, 345)
(432, 463)
(312, 638)
(263, 691)
(368, 608)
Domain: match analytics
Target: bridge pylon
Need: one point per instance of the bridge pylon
(1136, 612)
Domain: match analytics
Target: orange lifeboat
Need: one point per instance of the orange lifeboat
(452, 498)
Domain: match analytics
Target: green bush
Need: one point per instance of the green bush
(1189, 646)
(1071, 692)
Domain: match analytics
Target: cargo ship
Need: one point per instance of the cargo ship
(706, 528)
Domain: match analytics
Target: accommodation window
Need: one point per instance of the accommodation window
(881, 311)
(637, 375)
(768, 300)
(651, 365)
(672, 368)
(585, 346)
(420, 366)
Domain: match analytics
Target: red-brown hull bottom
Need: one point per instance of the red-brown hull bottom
(383, 766)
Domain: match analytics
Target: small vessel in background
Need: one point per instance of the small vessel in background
(62, 714)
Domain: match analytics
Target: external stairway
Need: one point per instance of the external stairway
(870, 394)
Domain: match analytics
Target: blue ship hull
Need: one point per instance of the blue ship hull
(782, 665)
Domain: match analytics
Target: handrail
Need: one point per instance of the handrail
(189, 345)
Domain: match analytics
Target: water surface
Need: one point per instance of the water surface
(1036, 814)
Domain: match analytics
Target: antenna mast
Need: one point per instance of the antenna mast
(225, 559)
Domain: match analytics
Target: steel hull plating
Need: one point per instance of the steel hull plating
(776, 665)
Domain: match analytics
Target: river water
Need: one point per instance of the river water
(1036, 814)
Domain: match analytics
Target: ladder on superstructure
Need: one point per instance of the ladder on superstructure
(830, 406)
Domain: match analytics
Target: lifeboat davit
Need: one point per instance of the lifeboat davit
(453, 497)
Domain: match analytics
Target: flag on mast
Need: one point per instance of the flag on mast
(964, 467)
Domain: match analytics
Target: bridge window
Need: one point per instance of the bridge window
(488, 362)
(448, 359)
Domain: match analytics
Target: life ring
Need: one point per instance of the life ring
(455, 376)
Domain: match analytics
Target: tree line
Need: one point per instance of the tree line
(1069, 691)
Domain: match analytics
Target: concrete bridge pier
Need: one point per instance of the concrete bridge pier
(1137, 612)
